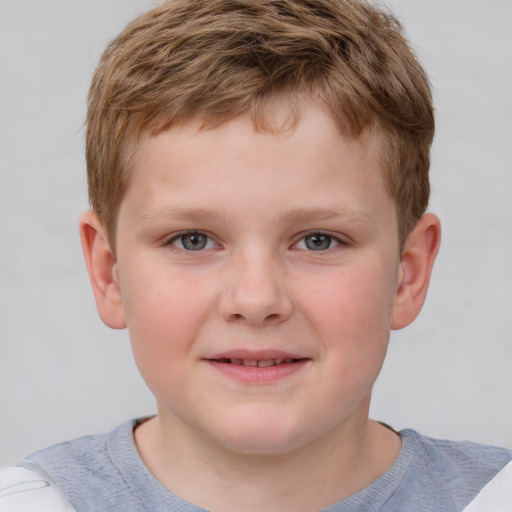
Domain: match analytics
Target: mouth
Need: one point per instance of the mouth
(258, 367)
(260, 363)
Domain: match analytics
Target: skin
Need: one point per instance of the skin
(259, 201)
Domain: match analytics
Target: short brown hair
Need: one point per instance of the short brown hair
(219, 59)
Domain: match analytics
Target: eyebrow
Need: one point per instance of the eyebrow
(295, 215)
(314, 214)
(181, 213)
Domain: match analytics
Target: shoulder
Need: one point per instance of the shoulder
(82, 460)
(456, 469)
(87, 454)
(461, 457)
(90, 471)
(26, 488)
(496, 495)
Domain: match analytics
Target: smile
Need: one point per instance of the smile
(261, 363)
(258, 367)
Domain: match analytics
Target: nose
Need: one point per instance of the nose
(255, 292)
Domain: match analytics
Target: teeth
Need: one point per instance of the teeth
(262, 363)
(266, 362)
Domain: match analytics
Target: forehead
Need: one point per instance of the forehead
(287, 119)
(280, 115)
(236, 169)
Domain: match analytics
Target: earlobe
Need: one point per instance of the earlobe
(101, 266)
(415, 269)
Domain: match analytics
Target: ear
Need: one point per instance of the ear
(101, 266)
(415, 269)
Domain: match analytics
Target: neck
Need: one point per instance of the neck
(344, 461)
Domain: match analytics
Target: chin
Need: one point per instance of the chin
(261, 446)
(263, 438)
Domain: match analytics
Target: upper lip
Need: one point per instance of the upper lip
(255, 355)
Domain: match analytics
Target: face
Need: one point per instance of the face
(258, 274)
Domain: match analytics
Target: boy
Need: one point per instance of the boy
(258, 173)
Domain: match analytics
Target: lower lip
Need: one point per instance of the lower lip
(257, 375)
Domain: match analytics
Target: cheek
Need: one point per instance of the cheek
(164, 316)
(351, 315)
(353, 305)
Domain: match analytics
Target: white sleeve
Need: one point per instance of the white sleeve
(26, 488)
(496, 496)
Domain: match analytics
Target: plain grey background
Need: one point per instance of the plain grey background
(64, 374)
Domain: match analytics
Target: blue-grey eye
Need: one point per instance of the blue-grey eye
(193, 242)
(318, 242)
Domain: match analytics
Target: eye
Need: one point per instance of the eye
(194, 241)
(318, 242)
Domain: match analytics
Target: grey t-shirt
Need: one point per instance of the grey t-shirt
(105, 473)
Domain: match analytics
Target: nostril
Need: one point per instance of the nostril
(236, 318)
(252, 309)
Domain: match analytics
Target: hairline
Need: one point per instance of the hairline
(135, 135)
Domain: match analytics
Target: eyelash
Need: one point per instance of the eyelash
(175, 238)
(327, 237)
(332, 239)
